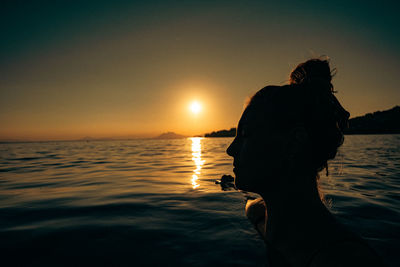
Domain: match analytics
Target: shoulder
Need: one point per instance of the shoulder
(255, 209)
(346, 254)
(256, 213)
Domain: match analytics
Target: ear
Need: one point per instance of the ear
(300, 135)
(297, 142)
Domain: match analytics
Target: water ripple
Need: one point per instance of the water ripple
(111, 201)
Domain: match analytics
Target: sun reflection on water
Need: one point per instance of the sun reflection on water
(196, 157)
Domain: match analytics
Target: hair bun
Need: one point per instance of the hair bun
(313, 71)
(324, 115)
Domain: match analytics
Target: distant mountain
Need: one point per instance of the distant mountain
(169, 135)
(222, 133)
(379, 122)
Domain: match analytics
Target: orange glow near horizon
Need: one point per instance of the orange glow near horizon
(167, 72)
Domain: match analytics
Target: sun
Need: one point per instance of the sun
(195, 107)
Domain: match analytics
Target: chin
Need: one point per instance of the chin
(242, 186)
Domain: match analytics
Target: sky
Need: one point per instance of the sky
(70, 69)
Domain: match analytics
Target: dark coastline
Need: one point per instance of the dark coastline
(222, 133)
(379, 122)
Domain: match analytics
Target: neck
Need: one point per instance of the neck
(295, 215)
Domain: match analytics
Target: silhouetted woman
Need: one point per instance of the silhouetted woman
(285, 137)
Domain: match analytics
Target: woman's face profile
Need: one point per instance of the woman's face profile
(255, 151)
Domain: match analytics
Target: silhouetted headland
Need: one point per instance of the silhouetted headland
(222, 133)
(379, 122)
(169, 135)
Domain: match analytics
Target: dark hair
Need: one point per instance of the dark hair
(311, 71)
(309, 101)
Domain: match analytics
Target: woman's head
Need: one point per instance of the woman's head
(288, 129)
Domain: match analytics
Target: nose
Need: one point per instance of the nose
(231, 149)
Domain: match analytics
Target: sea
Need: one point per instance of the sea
(156, 202)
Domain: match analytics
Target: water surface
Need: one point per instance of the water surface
(155, 202)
